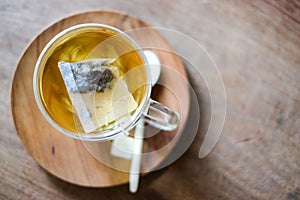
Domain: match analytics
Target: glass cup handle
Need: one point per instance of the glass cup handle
(161, 116)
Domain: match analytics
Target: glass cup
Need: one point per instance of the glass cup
(53, 109)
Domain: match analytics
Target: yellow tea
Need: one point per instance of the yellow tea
(83, 44)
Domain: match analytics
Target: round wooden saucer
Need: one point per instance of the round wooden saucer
(67, 158)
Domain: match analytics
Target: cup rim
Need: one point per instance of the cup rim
(101, 135)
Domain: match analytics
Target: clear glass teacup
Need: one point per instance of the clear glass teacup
(97, 41)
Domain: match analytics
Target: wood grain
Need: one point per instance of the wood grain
(255, 44)
(90, 163)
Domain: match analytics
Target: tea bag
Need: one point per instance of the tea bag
(98, 93)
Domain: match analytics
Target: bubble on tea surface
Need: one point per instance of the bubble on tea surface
(98, 94)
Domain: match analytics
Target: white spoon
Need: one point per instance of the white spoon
(155, 66)
(155, 69)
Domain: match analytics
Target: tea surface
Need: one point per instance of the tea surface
(81, 46)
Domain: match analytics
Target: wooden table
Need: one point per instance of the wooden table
(256, 46)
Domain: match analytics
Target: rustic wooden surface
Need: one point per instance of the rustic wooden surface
(256, 45)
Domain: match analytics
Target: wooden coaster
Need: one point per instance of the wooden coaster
(67, 158)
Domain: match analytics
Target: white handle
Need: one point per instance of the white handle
(136, 157)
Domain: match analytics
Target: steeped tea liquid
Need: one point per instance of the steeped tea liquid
(84, 44)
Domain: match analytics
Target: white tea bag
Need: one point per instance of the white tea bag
(97, 92)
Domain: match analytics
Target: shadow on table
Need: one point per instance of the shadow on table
(116, 192)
